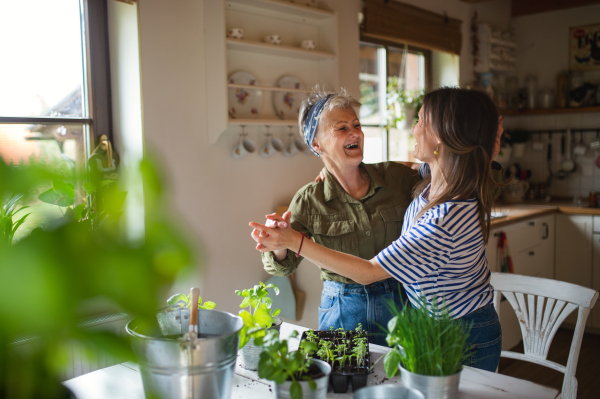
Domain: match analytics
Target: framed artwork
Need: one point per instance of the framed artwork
(584, 48)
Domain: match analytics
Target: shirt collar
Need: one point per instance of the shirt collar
(333, 189)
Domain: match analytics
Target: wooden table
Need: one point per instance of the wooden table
(123, 381)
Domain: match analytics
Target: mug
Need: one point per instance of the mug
(514, 192)
(294, 146)
(308, 44)
(272, 39)
(244, 147)
(272, 146)
(235, 33)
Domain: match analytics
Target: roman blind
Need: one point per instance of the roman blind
(398, 22)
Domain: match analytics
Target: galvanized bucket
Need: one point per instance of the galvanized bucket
(282, 391)
(432, 387)
(250, 353)
(388, 391)
(175, 369)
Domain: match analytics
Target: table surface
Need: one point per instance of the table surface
(123, 381)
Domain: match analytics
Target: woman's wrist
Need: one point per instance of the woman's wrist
(295, 241)
(280, 255)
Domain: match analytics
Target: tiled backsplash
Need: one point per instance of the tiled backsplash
(586, 177)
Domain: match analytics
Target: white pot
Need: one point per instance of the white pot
(282, 391)
(432, 387)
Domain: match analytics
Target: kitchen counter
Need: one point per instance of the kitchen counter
(531, 209)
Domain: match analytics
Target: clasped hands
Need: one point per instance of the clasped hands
(275, 235)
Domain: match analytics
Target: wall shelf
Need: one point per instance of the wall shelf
(550, 111)
(273, 49)
(286, 7)
(264, 122)
(268, 88)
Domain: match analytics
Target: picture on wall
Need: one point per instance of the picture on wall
(584, 48)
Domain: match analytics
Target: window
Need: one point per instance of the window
(54, 91)
(381, 62)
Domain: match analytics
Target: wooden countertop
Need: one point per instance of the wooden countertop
(531, 209)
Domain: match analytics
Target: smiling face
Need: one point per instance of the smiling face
(426, 141)
(340, 137)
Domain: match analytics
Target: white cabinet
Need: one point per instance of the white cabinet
(266, 62)
(531, 245)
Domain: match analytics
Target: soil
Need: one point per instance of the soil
(314, 372)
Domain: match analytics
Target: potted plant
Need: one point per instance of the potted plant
(294, 373)
(403, 105)
(8, 226)
(517, 138)
(256, 322)
(428, 350)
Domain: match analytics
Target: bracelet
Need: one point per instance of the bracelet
(301, 242)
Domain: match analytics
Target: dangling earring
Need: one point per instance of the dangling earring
(437, 150)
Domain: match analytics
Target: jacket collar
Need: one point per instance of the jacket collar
(333, 189)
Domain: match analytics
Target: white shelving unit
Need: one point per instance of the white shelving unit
(267, 62)
(495, 54)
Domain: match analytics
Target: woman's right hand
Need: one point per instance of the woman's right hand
(321, 176)
(281, 222)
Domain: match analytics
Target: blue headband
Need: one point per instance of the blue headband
(311, 123)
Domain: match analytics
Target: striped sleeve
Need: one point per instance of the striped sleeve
(420, 253)
(424, 170)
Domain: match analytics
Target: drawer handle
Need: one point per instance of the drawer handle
(545, 237)
(531, 253)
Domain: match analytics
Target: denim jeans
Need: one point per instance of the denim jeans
(346, 305)
(485, 338)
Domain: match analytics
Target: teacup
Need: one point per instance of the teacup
(308, 44)
(294, 146)
(235, 33)
(272, 39)
(244, 147)
(272, 146)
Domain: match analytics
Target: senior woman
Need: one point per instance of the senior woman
(441, 252)
(358, 209)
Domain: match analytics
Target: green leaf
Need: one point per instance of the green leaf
(245, 303)
(209, 305)
(49, 196)
(175, 298)
(244, 337)
(64, 189)
(78, 212)
(247, 317)
(90, 187)
(311, 383)
(104, 183)
(296, 390)
(391, 363)
(263, 318)
(276, 312)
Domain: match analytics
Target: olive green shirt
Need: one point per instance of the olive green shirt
(336, 220)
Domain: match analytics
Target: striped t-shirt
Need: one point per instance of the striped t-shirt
(441, 255)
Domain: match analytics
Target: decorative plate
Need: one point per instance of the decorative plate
(286, 103)
(244, 103)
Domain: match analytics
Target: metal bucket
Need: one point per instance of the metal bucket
(250, 353)
(282, 391)
(388, 391)
(174, 369)
(432, 387)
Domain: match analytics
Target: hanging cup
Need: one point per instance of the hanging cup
(244, 147)
(272, 146)
(295, 145)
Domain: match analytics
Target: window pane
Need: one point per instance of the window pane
(414, 68)
(373, 147)
(401, 145)
(41, 73)
(372, 73)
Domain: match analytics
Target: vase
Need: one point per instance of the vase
(250, 355)
(432, 387)
(282, 391)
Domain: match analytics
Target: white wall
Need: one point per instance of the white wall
(215, 195)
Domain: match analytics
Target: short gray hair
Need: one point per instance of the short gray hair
(340, 100)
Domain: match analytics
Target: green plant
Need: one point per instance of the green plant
(325, 352)
(261, 317)
(360, 351)
(279, 364)
(311, 336)
(359, 330)
(8, 226)
(59, 274)
(100, 200)
(182, 300)
(424, 344)
(396, 95)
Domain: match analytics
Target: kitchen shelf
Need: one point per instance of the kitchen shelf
(287, 7)
(264, 122)
(551, 111)
(277, 49)
(503, 42)
(268, 88)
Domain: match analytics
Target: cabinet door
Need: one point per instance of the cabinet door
(544, 253)
(595, 314)
(574, 249)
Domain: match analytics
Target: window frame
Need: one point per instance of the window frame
(369, 41)
(96, 85)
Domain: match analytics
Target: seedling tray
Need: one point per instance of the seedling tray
(351, 374)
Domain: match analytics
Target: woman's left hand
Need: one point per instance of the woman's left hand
(272, 238)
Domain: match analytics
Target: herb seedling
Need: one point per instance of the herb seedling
(325, 352)
(280, 365)
(261, 317)
(182, 300)
(311, 336)
(359, 330)
(360, 351)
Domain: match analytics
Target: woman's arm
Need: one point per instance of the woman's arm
(360, 270)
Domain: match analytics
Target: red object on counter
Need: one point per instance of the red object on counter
(504, 258)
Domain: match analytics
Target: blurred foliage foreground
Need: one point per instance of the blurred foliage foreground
(50, 279)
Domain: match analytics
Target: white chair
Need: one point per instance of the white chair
(541, 306)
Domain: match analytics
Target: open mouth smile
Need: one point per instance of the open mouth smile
(351, 146)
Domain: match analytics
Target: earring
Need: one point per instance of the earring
(437, 150)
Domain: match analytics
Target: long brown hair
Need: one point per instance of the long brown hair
(466, 122)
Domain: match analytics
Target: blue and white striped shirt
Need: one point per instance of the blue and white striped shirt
(441, 255)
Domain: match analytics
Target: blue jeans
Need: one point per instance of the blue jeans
(485, 338)
(346, 305)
